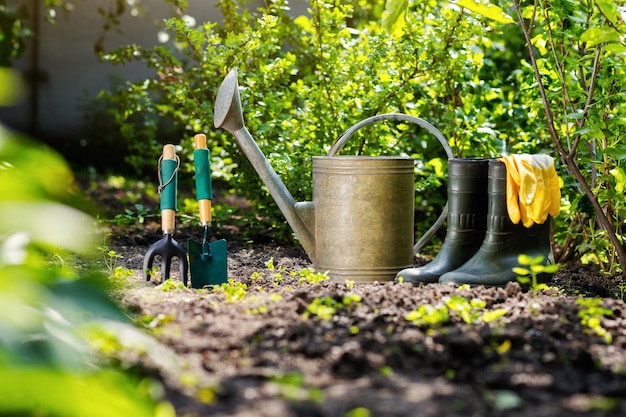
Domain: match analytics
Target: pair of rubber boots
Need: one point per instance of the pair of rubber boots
(482, 244)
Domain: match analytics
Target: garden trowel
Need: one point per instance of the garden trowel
(207, 260)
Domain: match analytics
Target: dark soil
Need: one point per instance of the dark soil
(262, 354)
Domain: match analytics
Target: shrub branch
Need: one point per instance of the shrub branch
(569, 156)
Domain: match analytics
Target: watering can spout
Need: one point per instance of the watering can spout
(228, 111)
(229, 116)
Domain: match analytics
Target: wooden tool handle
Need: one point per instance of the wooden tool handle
(169, 152)
(199, 141)
(205, 212)
(168, 221)
(204, 189)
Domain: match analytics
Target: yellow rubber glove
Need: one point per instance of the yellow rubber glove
(555, 191)
(512, 188)
(532, 190)
(551, 188)
(539, 204)
(529, 189)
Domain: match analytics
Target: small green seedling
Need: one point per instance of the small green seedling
(359, 412)
(309, 276)
(171, 284)
(470, 311)
(591, 315)
(428, 315)
(121, 272)
(292, 387)
(277, 275)
(131, 217)
(234, 290)
(111, 258)
(533, 269)
(326, 307)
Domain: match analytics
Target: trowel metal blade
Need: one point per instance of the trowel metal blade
(208, 267)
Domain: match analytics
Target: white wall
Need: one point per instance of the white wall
(70, 70)
(69, 67)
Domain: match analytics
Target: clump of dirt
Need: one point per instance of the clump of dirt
(276, 343)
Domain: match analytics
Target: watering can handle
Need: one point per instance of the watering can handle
(343, 139)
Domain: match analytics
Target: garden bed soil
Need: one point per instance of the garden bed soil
(260, 351)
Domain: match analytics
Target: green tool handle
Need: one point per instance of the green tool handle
(168, 186)
(204, 187)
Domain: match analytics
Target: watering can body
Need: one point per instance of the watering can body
(364, 208)
(359, 225)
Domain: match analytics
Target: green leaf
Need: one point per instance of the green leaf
(575, 115)
(551, 268)
(12, 87)
(28, 391)
(583, 131)
(489, 316)
(528, 260)
(488, 10)
(506, 400)
(528, 12)
(620, 179)
(305, 23)
(618, 151)
(594, 36)
(412, 315)
(520, 271)
(608, 9)
(616, 48)
(395, 10)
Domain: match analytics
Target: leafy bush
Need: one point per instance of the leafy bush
(577, 57)
(14, 34)
(305, 80)
(463, 67)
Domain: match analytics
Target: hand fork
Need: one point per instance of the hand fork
(167, 248)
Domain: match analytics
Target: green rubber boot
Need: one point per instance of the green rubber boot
(467, 217)
(504, 241)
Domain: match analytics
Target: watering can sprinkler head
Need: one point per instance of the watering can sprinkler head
(228, 111)
(229, 116)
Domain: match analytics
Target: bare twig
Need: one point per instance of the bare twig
(567, 100)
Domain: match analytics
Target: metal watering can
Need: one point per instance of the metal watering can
(360, 223)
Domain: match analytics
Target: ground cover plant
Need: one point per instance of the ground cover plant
(279, 340)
